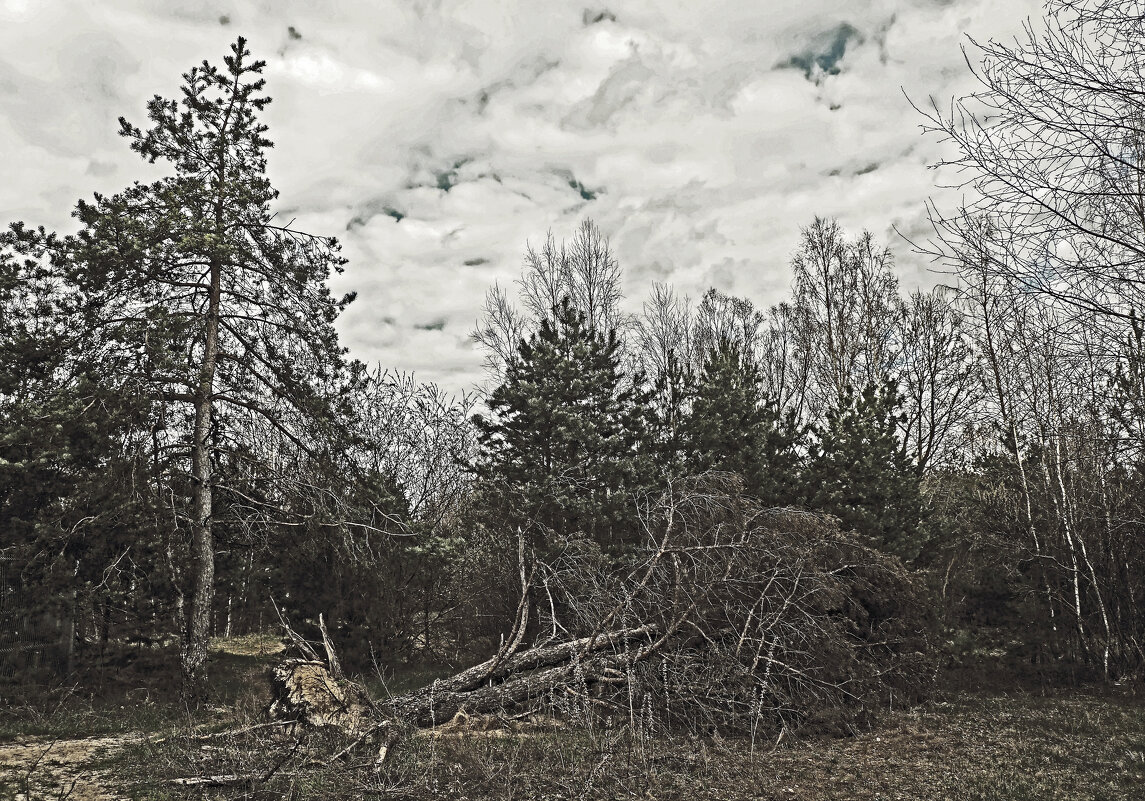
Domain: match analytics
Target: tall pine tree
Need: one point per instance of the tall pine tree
(219, 314)
(562, 446)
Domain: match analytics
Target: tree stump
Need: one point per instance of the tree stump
(304, 691)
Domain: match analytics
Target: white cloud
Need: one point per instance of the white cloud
(482, 124)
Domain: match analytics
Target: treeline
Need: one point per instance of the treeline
(187, 451)
(983, 435)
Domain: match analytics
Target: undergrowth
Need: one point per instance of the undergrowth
(978, 747)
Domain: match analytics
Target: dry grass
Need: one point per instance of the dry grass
(250, 645)
(1071, 745)
(981, 747)
(972, 746)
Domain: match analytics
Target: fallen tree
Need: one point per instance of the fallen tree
(734, 617)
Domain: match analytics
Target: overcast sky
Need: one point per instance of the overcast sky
(436, 138)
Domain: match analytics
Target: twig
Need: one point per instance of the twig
(221, 780)
(359, 741)
(244, 730)
(274, 769)
(294, 636)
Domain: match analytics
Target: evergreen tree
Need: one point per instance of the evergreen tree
(221, 317)
(732, 427)
(860, 472)
(562, 447)
(74, 466)
(41, 431)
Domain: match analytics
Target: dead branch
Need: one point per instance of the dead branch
(735, 616)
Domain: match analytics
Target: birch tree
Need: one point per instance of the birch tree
(845, 309)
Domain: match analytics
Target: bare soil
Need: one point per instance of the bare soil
(45, 767)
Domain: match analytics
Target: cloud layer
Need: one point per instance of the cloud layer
(436, 137)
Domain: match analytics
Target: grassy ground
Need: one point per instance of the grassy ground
(134, 689)
(1067, 746)
(974, 745)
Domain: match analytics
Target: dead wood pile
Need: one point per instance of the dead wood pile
(733, 617)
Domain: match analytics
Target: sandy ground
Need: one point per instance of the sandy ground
(42, 768)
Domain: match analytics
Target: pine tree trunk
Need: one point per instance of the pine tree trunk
(202, 538)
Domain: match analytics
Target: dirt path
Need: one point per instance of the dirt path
(45, 768)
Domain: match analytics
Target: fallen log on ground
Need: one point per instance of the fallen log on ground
(503, 683)
(734, 617)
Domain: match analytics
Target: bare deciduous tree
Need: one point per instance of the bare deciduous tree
(583, 270)
(663, 333)
(1052, 150)
(940, 383)
(1050, 249)
(845, 311)
(420, 436)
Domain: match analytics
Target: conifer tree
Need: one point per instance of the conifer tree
(732, 427)
(221, 316)
(74, 464)
(562, 446)
(41, 432)
(860, 472)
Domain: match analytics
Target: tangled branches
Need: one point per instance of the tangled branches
(733, 616)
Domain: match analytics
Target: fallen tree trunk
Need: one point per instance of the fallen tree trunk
(306, 692)
(504, 682)
(746, 617)
(532, 674)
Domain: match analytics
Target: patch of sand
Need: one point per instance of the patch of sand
(43, 767)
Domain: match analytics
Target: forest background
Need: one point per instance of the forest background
(188, 453)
